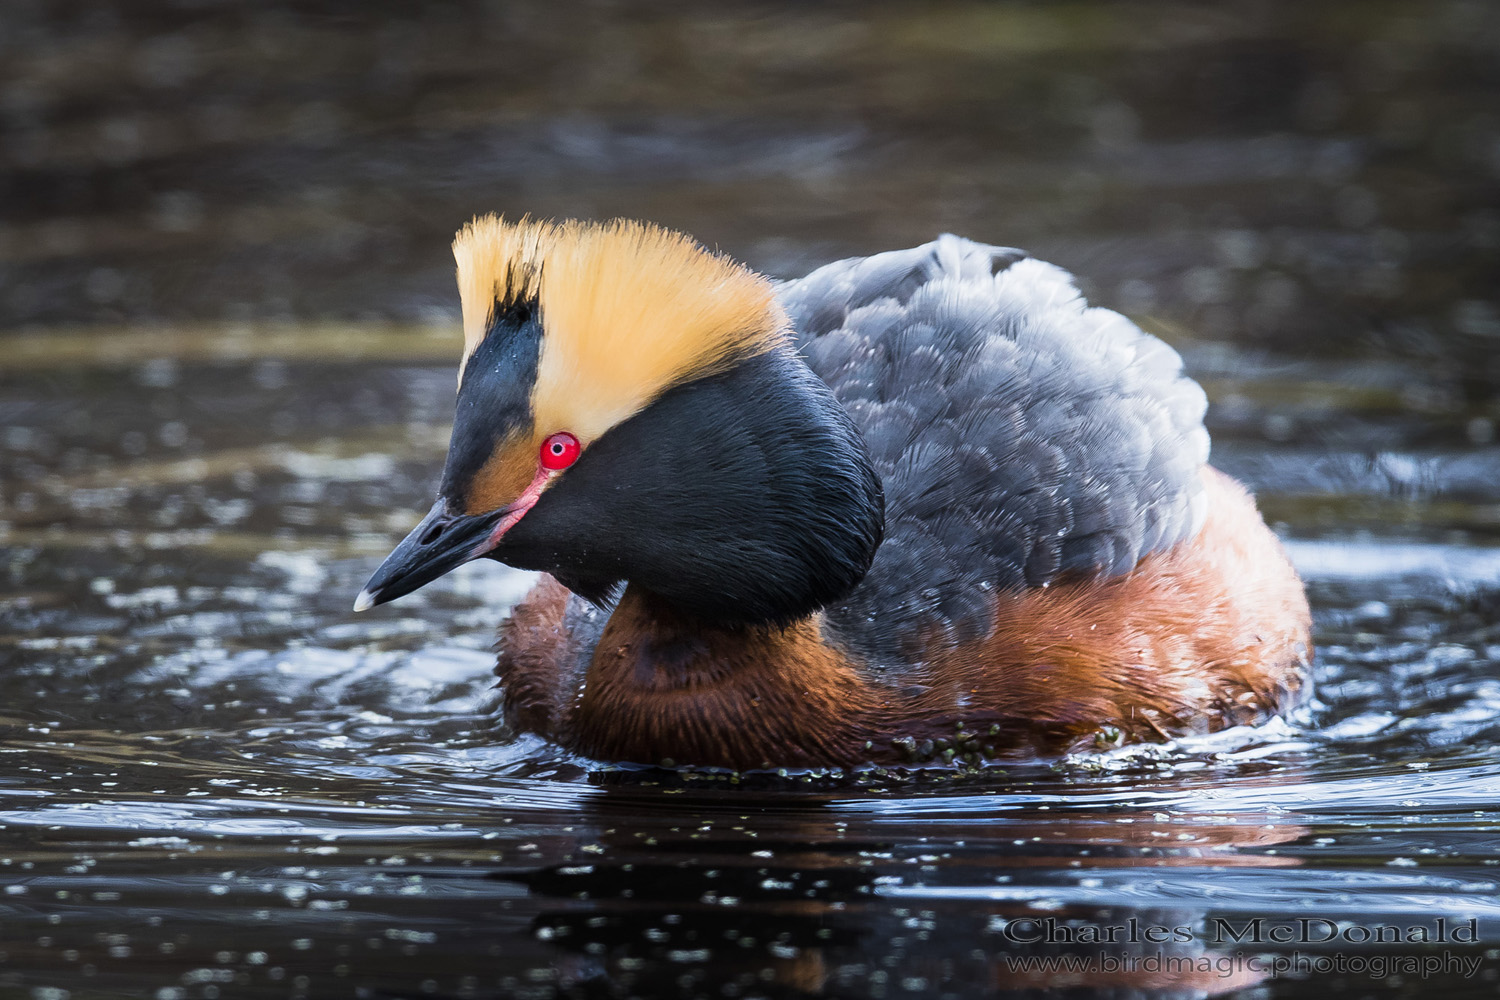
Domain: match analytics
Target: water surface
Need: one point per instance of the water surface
(217, 777)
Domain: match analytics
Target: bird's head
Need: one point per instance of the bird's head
(630, 409)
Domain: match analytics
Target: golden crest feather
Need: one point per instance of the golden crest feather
(627, 310)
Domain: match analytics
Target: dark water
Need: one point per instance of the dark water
(217, 781)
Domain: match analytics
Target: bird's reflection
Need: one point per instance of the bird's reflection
(750, 897)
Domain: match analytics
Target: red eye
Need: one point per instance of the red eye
(560, 451)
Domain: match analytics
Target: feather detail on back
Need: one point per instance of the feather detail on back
(1022, 436)
(629, 309)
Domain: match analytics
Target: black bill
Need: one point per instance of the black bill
(441, 543)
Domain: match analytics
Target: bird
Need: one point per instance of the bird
(924, 507)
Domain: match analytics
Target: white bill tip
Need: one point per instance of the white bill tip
(365, 601)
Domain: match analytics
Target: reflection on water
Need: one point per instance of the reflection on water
(215, 781)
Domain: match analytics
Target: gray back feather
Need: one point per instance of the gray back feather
(1021, 435)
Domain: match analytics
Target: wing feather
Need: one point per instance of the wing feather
(1021, 435)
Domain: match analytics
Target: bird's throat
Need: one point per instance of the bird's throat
(664, 688)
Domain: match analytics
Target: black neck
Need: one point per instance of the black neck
(741, 498)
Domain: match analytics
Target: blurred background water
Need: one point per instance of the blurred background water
(227, 335)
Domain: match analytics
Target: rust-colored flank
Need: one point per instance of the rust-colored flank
(1209, 634)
